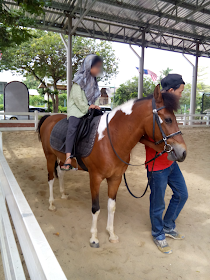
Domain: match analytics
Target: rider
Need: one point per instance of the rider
(83, 95)
(165, 172)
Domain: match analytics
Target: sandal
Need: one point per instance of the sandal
(67, 164)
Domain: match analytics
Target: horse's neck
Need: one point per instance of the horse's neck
(126, 125)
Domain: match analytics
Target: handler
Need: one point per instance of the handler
(165, 172)
(83, 95)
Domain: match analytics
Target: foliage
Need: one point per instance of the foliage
(62, 109)
(31, 82)
(1, 107)
(36, 100)
(1, 99)
(62, 98)
(206, 102)
(45, 56)
(13, 22)
(129, 90)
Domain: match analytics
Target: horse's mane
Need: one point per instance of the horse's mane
(170, 100)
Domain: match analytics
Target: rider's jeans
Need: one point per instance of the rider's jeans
(158, 183)
(71, 133)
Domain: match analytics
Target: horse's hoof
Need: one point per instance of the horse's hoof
(94, 245)
(114, 240)
(52, 208)
(65, 196)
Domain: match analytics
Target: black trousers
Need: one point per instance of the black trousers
(71, 133)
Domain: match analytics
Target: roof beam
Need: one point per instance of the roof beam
(82, 16)
(143, 25)
(187, 5)
(154, 13)
(180, 20)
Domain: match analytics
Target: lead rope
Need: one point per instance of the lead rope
(148, 183)
(153, 159)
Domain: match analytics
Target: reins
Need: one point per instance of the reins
(167, 148)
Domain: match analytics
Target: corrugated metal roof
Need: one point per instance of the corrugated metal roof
(167, 24)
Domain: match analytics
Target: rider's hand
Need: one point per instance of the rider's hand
(94, 107)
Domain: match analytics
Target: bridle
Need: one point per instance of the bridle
(167, 147)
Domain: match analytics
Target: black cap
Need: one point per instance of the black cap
(172, 81)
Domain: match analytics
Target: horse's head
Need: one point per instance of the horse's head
(170, 102)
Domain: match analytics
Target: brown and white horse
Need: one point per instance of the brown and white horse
(127, 124)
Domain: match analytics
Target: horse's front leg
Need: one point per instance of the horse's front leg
(95, 182)
(113, 185)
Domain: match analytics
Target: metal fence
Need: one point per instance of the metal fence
(39, 258)
(33, 118)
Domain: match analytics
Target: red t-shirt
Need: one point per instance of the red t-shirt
(160, 163)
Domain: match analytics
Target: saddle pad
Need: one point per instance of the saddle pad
(84, 147)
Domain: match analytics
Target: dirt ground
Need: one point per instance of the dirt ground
(135, 256)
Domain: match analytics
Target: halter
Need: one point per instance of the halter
(167, 148)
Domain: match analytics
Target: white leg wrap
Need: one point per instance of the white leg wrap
(110, 222)
(94, 239)
(60, 178)
(51, 199)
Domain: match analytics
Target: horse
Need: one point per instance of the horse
(127, 124)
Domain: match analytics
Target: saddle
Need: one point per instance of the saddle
(85, 135)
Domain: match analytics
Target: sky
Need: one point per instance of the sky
(155, 60)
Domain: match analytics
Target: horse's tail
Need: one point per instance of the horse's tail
(40, 124)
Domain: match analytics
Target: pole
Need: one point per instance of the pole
(141, 73)
(141, 68)
(69, 58)
(194, 82)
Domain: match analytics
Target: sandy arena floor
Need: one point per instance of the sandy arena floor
(135, 257)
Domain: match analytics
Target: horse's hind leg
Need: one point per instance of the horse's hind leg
(94, 186)
(51, 159)
(60, 177)
(113, 185)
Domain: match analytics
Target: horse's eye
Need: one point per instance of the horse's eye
(168, 120)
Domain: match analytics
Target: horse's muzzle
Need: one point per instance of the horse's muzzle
(178, 153)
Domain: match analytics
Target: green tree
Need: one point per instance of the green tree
(36, 100)
(13, 22)
(31, 82)
(45, 56)
(129, 90)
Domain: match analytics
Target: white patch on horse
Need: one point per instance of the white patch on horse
(94, 239)
(110, 221)
(125, 108)
(51, 199)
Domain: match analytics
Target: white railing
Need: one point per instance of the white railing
(193, 119)
(22, 118)
(33, 119)
(38, 255)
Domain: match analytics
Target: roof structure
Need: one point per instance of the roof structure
(174, 25)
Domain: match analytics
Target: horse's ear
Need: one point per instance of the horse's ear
(157, 94)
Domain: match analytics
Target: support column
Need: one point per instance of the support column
(69, 58)
(141, 68)
(194, 82)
